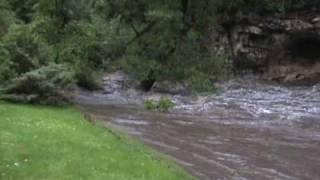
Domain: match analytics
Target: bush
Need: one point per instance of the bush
(203, 76)
(163, 105)
(46, 85)
(87, 78)
(201, 83)
(26, 49)
(32, 48)
(7, 17)
(28, 71)
(5, 66)
(150, 105)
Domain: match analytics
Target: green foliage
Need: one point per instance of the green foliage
(170, 54)
(7, 17)
(5, 65)
(87, 77)
(28, 68)
(201, 83)
(158, 40)
(46, 85)
(22, 9)
(27, 49)
(150, 105)
(205, 74)
(82, 48)
(163, 105)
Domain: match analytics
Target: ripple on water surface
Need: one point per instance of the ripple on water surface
(249, 130)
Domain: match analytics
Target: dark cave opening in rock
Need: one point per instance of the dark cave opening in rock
(146, 85)
(303, 49)
(295, 60)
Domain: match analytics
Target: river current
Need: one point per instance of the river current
(247, 130)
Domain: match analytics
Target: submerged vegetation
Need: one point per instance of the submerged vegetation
(48, 47)
(163, 105)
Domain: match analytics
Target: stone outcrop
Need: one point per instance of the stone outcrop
(120, 81)
(284, 47)
(170, 87)
(116, 81)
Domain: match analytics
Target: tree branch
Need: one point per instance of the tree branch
(134, 28)
(144, 31)
(5, 7)
(25, 55)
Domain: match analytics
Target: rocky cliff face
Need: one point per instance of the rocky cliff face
(284, 47)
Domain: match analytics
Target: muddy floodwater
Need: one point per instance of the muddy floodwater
(248, 130)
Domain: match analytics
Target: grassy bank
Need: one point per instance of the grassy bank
(58, 143)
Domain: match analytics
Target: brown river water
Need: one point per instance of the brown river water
(248, 130)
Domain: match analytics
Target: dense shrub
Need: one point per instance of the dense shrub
(163, 105)
(5, 65)
(30, 49)
(47, 85)
(27, 49)
(27, 71)
(6, 17)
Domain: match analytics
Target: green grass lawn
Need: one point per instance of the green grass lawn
(45, 143)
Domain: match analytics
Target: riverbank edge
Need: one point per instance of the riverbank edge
(16, 128)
